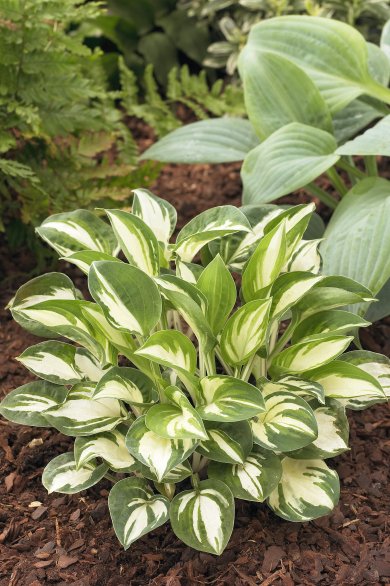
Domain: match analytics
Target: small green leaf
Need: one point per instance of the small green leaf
(203, 518)
(135, 510)
(62, 475)
(218, 286)
(308, 489)
(230, 443)
(252, 480)
(225, 398)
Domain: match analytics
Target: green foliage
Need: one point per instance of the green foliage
(216, 394)
(193, 91)
(62, 142)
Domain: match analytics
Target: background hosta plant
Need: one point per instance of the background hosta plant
(315, 127)
(226, 393)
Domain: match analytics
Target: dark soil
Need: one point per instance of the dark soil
(68, 540)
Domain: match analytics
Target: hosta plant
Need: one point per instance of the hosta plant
(191, 383)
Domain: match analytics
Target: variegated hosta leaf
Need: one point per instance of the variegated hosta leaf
(27, 403)
(62, 475)
(333, 433)
(218, 286)
(53, 361)
(203, 517)
(296, 219)
(157, 213)
(188, 271)
(225, 398)
(191, 304)
(245, 331)
(87, 364)
(252, 480)
(70, 232)
(177, 474)
(288, 289)
(176, 419)
(265, 263)
(310, 353)
(95, 316)
(128, 296)
(85, 258)
(208, 226)
(306, 257)
(135, 509)
(377, 365)
(288, 423)
(170, 348)
(82, 415)
(137, 241)
(159, 454)
(349, 384)
(230, 443)
(294, 384)
(43, 288)
(126, 384)
(109, 445)
(324, 298)
(308, 489)
(328, 321)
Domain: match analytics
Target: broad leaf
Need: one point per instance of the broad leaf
(245, 331)
(170, 348)
(225, 398)
(299, 386)
(109, 445)
(219, 140)
(352, 119)
(70, 232)
(287, 424)
(377, 365)
(126, 384)
(157, 213)
(62, 475)
(135, 510)
(203, 517)
(27, 403)
(227, 442)
(329, 321)
(137, 241)
(218, 286)
(308, 489)
(252, 480)
(290, 158)
(175, 475)
(160, 454)
(306, 257)
(375, 141)
(288, 289)
(128, 296)
(53, 361)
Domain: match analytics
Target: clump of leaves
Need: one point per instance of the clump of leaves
(225, 396)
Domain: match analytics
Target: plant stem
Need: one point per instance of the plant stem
(283, 340)
(327, 199)
(337, 182)
(245, 374)
(371, 165)
(351, 170)
(110, 477)
(226, 367)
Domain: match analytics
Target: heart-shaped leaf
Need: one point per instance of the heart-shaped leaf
(62, 475)
(109, 445)
(230, 443)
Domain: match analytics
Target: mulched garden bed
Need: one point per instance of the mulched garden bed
(68, 540)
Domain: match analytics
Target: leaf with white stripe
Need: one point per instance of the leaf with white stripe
(349, 384)
(265, 263)
(84, 258)
(288, 289)
(176, 419)
(137, 241)
(109, 445)
(70, 232)
(225, 398)
(85, 416)
(297, 219)
(328, 321)
(188, 271)
(128, 296)
(245, 331)
(42, 288)
(126, 384)
(157, 213)
(252, 480)
(310, 353)
(95, 316)
(170, 348)
(135, 510)
(308, 489)
(230, 443)
(204, 517)
(27, 403)
(299, 386)
(333, 433)
(177, 474)
(324, 298)
(306, 257)
(218, 286)
(377, 365)
(208, 226)
(288, 423)
(160, 454)
(53, 361)
(87, 364)
(62, 475)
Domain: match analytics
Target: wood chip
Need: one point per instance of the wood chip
(64, 561)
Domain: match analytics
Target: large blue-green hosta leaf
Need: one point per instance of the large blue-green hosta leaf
(375, 141)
